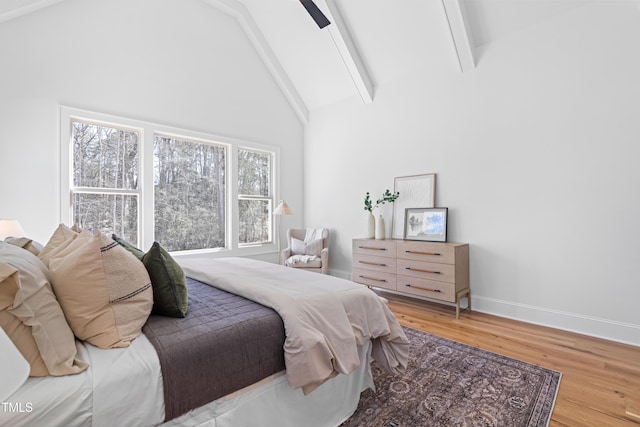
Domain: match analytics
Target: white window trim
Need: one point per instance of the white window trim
(273, 176)
(147, 131)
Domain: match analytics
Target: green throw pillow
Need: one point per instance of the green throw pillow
(167, 279)
(128, 246)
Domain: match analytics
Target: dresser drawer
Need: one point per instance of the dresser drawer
(427, 270)
(376, 279)
(433, 270)
(384, 248)
(427, 288)
(425, 251)
(377, 263)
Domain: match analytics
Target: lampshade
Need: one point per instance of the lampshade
(14, 369)
(282, 209)
(10, 228)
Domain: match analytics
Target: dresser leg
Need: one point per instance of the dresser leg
(460, 294)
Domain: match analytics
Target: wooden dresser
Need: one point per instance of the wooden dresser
(433, 270)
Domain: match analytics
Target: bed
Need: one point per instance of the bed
(310, 367)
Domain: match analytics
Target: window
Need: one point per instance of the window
(254, 196)
(189, 190)
(105, 179)
(148, 182)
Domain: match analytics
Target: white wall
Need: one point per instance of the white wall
(175, 62)
(536, 153)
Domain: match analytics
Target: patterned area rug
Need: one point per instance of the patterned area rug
(448, 383)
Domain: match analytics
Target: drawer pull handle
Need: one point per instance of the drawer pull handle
(372, 248)
(373, 263)
(424, 289)
(423, 253)
(422, 271)
(372, 278)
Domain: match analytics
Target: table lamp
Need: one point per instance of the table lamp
(10, 228)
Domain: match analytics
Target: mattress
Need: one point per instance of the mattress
(124, 387)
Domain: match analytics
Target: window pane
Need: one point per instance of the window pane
(254, 173)
(104, 157)
(189, 180)
(108, 213)
(254, 221)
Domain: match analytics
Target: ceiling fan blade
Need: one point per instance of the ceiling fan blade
(315, 13)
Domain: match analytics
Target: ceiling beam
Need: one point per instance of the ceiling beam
(239, 11)
(460, 34)
(349, 53)
(31, 7)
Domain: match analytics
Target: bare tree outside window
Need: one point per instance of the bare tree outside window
(189, 190)
(105, 179)
(254, 196)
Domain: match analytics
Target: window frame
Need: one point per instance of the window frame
(145, 191)
(103, 190)
(270, 199)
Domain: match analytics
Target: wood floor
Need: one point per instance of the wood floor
(600, 383)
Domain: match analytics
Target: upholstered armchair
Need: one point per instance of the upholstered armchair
(308, 249)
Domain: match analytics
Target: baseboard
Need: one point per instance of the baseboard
(626, 333)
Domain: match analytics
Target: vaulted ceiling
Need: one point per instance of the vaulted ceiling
(368, 42)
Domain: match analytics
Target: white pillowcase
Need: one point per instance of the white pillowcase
(32, 317)
(298, 247)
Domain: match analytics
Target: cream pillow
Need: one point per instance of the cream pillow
(61, 237)
(298, 247)
(32, 317)
(21, 336)
(105, 291)
(25, 243)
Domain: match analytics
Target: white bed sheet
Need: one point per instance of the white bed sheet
(124, 387)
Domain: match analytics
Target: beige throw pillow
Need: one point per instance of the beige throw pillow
(61, 237)
(32, 317)
(105, 291)
(25, 243)
(21, 336)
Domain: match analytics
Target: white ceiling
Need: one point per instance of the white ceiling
(391, 38)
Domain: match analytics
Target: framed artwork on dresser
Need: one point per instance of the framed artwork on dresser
(428, 224)
(416, 191)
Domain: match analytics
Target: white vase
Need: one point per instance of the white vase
(379, 233)
(370, 226)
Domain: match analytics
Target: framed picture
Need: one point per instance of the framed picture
(428, 224)
(415, 191)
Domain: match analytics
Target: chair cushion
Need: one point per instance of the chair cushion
(300, 261)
